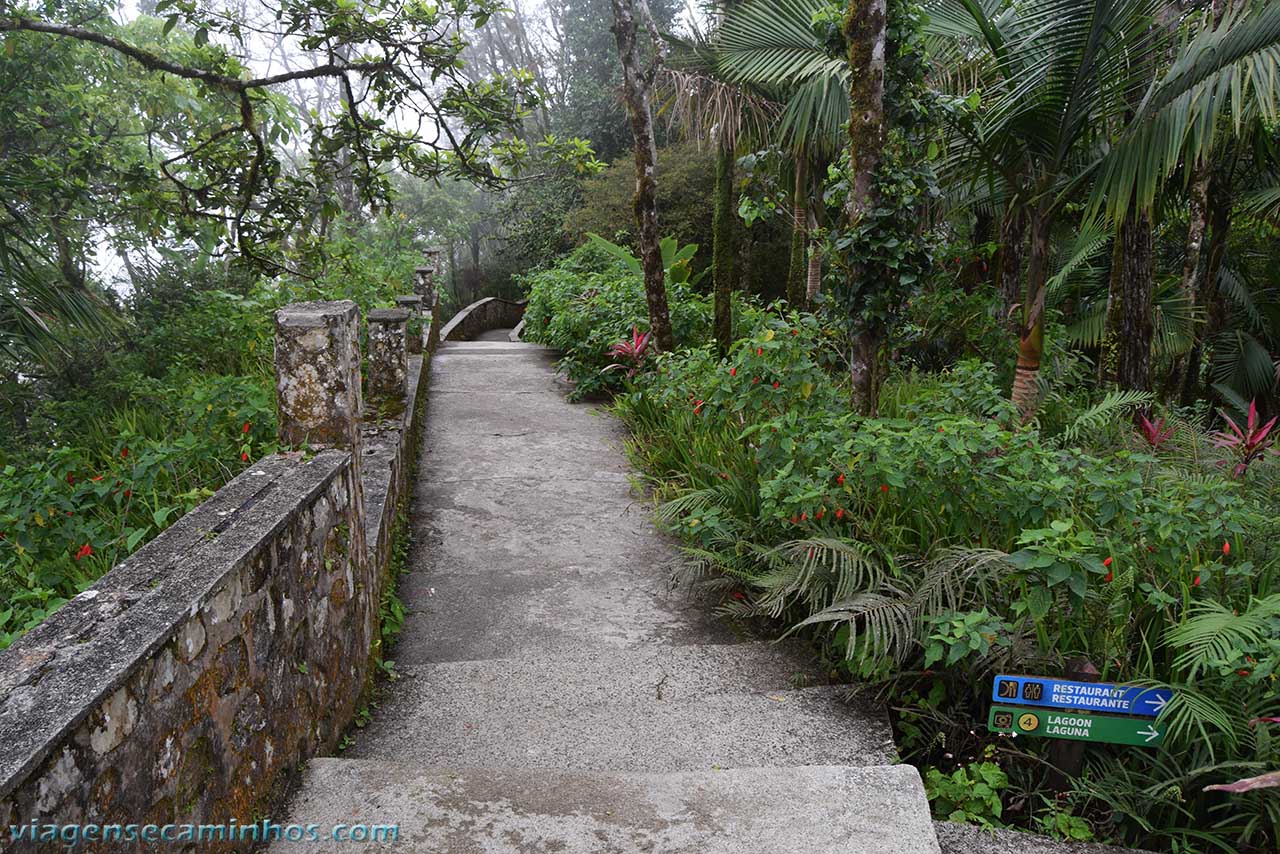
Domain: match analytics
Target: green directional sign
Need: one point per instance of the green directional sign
(1049, 723)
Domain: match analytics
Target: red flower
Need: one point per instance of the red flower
(1196, 581)
(755, 380)
(839, 512)
(697, 407)
(1242, 672)
(737, 594)
(840, 479)
(804, 516)
(776, 383)
(245, 428)
(128, 493)
(759, 351)
(1226, 548)
(1107, 562)
(244, 457)
(884, 487)
(124, 453)
(795, 332)
(71, 479)
(96, 479)
(85, 551)
(819, 514)
(733, 372)
(1110, 577)
(795, 520)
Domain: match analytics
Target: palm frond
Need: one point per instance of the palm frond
(1214, 631)
(1113, 405)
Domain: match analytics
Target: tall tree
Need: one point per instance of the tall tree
(865, 32)
(638, 74)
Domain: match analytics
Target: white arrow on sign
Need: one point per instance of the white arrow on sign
(1150, 732)
(1158, 702)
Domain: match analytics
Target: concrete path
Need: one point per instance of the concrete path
(558, 696)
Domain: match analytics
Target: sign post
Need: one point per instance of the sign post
(1076, 726)
(1076, 709)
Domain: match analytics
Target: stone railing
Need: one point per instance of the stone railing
(482, 316)
(190, 681)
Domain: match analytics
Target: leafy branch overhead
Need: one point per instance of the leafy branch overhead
(402, 102)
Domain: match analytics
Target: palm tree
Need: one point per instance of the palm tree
(704, 106)
(772, 46)
(1061, 114)
(39, 299)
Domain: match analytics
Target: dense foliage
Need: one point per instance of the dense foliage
(928, 548)
(110, 443)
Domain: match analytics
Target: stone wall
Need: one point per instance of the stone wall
(481, 316)
(189, 683)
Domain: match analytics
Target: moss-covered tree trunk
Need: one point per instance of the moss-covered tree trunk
(1219, 228)
(637, 84)
(865, 32)
(722, 250)
(1125, 360)
(799, 234)
(1193, 254)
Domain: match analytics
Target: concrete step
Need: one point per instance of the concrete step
(611, 674)
(572, 725)
(816, 810)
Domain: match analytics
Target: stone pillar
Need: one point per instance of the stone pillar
(424, 283)
(318, 375)
(388, 359)
(414, 332)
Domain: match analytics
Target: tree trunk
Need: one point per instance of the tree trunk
(1137, 325)
(1109, 348)
(637, 83)
(1188, 284)
(865, 31)
(866, 371)
(1186, 368)
(1219, 216)
(813, 283)
(1008, 263)
(722, 250)
(799, 233)
(1026, 379)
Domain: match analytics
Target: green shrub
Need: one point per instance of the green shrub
(942, 542)
(591, 301)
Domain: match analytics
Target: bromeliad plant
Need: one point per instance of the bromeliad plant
(1247, 445)
(630, 352)
(1156, 434)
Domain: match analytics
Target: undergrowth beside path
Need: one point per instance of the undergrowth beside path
(941, 542)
